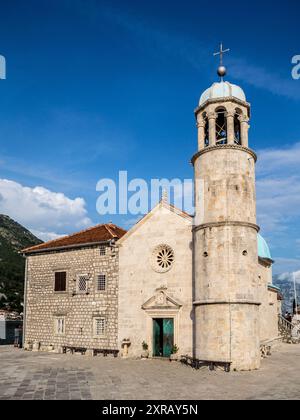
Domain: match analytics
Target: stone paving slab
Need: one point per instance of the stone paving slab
(46, 376)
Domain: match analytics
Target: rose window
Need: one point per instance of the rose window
(162, 258)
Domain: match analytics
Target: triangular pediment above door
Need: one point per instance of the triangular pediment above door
(161, 300)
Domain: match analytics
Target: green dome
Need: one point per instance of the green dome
(263, 249)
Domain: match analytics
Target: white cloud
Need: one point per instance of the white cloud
(263, 78)
(278, 202)
(290, 276)
(46, 236)
(49, 214)
(278, 188)
(195, 52)
(270, 160)
(287, 266)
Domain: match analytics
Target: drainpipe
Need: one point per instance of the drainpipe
(25, 300)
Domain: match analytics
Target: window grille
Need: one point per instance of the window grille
(102, 250)
(82, 283)
(60, 325)
(101, 282)
(100, 325)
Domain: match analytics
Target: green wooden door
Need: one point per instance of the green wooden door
(163, 337)
(157, 342)
(168, 336)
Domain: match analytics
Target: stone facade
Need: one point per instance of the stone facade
(270, 300)
(79, 310)
(136, 292)
(173, 279)
(145, 293)
(226, 256)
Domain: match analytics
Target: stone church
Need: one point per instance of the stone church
(201, 282)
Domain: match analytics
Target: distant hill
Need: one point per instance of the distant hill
(286, 285)
(13, 238)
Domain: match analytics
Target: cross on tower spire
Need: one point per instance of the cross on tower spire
(221, 69)
(221, 53)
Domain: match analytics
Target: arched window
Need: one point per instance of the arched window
(237, 127)
(206, 130)
(221, 126)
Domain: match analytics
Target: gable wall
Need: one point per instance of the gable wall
(138, 281)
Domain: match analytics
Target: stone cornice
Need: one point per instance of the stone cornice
(267, 262)
(62, 248)
(222, 100)
(225, 302)
(277, 290)
(222, 147)
(225, 223)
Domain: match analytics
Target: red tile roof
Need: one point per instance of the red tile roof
(96, 234)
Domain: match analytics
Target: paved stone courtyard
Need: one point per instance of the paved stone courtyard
(27, 375)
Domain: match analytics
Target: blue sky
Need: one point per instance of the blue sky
(94, 87)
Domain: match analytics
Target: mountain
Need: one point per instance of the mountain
(286, 285)
(13, 238)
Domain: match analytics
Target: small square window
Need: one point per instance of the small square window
(82, 282)
(60, 282)
(59, 325)
(102, 250)
(99, 327)
(101, 282)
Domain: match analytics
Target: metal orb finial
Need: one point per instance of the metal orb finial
(222, 71)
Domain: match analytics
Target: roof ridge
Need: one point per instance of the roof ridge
(108, 229)
(184, 213)
(71, 235)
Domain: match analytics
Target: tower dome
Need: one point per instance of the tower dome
(222, 90)
(263, 248)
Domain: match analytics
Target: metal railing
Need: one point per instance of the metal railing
(289, 331)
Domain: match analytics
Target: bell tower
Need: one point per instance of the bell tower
(225, 231)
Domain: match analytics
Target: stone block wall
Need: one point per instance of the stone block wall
(226, 281)
(228, 333)
(270, 305)
(226, 264)
(44, 305)
(227, 178)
